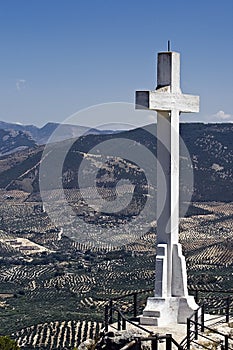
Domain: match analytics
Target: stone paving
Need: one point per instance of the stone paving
(178, 331)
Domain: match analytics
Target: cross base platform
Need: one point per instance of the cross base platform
(165, 311)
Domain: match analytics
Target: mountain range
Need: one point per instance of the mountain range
(210, 147)
(14, 140)
(40, 136)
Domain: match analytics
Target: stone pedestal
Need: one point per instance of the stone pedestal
(164, 311)
(173, 306)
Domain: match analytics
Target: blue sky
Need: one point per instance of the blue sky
(59, 56)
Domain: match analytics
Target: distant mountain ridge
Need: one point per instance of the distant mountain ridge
(14, 140)
(42, 135)
(210, 147)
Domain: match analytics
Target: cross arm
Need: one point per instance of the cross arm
(166, 101)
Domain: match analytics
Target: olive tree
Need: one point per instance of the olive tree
(6, 343)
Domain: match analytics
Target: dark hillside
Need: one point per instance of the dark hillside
(210, 147)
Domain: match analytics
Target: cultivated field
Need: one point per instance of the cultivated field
(54, 295)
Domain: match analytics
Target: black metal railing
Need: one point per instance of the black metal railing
(209, 298)
(136, 344)
(196, 324)
(197, 327)
(201, 296)
(121, 320)
(154, 340)
(133, 298)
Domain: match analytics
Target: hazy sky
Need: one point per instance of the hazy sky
(59, 56)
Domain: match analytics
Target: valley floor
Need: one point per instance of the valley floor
(53, 289)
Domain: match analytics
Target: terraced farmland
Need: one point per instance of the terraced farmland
(58, 335)
(56, 297)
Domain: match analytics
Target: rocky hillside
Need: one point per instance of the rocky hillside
(210, 147)
(42, 135)
(14, 140)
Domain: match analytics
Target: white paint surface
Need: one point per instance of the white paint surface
(171, 302)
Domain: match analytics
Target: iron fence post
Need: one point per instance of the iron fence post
(135, 304)
(196, 296)
(110, 311)
(123, 324)
(227, 309)
(118, 321)
(202, 318)
(154, 343)
(226, 342)
(196, 325)
(188, 333)
(168, 341)
(106, 318)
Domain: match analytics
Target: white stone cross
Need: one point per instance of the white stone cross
(171, 302)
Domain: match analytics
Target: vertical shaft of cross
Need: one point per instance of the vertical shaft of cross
(168, 189)
(168, 79)
(175, 155)
(168, 177)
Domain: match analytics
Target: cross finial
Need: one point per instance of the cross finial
(168, 46)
